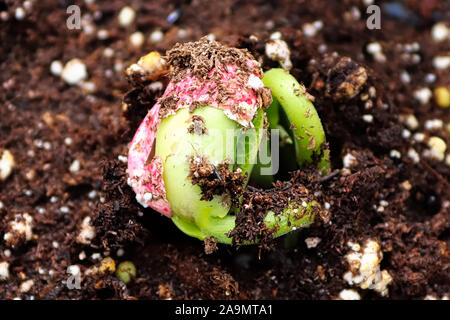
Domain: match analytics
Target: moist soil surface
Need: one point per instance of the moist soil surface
(69, 144)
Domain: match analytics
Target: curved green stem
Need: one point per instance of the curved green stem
(292, 218)
(273, 114)
(249, 143)
(305, 122)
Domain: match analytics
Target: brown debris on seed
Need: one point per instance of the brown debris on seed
(168, 105)
(206, 59)
(204, 55)
(311, 140)
(216, 179)
(198, 125)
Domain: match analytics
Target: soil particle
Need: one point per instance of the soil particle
(210, 245)
(215, 282)
(345, 79)
(116, 220)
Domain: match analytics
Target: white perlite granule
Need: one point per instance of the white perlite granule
(349, 161)
(278, 50)
(74, 72)
(137, 39)
(423, 95)
(312, 242)
(126, 16)
(56, 68)
(441, 62)
(156, 36)
(440, 32)
(20, 228)
(87, 232)
(75, 166)
(4, 270)
(365, 268)
(6, 164)
(26, 286)
(410, 121)
(349, 294)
